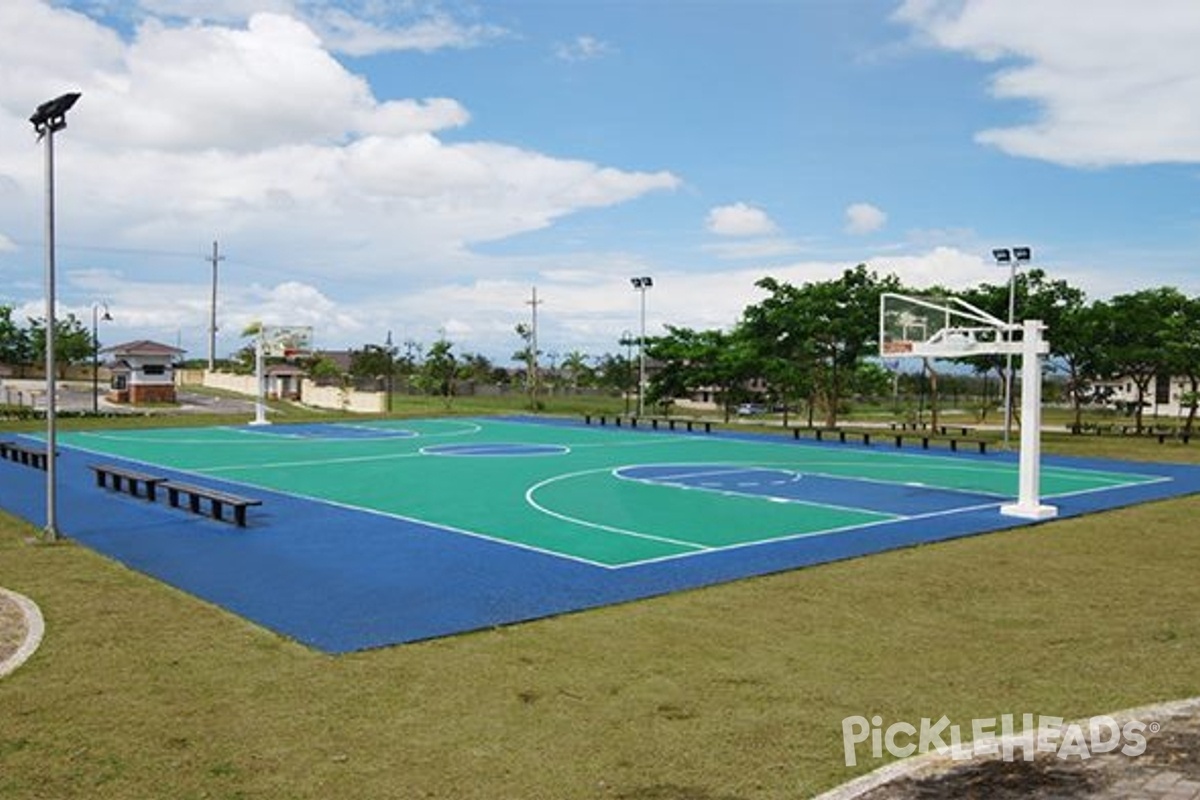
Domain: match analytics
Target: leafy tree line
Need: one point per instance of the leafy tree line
(440, 370)
(24, 346)
(817, 344)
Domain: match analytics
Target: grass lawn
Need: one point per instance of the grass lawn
(737, 691)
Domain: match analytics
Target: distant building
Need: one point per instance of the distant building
(142, 372)
(283, 381)
(1166, 396)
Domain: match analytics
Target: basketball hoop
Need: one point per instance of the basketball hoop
(950, 327)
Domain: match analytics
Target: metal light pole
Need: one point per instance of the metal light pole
(96, 353)
(627, 340)
(1011, 258)
(641, 284)
(50, 118)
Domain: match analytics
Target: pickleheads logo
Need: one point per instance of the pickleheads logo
(996, 736)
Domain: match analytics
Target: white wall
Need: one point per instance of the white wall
(310, 394)
(344, 399)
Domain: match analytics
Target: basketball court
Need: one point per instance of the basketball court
(389, 531)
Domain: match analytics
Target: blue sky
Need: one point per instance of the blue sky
(417, 167)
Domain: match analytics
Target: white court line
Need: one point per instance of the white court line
(436, 526)
(307, 463)
(596, 525)
(812, 534)
(617, 473)
(731, 469)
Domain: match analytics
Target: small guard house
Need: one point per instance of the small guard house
(142, 372)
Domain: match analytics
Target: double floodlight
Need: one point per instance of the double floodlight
(51, 116)
(1003, 255)
(642, 283)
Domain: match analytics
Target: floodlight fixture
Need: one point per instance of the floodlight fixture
(641, 284)
(51, 116)
(1002, 255)
(1022, 253)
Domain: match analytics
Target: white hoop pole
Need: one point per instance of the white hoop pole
(260, 400)
(1029, 505)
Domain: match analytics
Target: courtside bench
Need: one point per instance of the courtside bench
(954, 441)
(119, 477)
(865, 436)
(670, 422)
(944, 430)
(23, 454)
(216, 500)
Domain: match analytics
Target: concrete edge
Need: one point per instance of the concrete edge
(934, 762)
(35, 628)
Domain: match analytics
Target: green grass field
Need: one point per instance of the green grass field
(736, 691)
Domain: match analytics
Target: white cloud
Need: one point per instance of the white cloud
(739, 219)
(351, 34)
(257, 133)
(864, 218)
(1116, 84)
(582, 48)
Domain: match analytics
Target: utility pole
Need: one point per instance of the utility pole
(212, 322)
(533, 347)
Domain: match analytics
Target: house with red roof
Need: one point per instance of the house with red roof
(142, 372)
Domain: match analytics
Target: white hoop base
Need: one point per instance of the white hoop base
(1023, 511)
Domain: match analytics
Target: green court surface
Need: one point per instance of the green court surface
(604, 497)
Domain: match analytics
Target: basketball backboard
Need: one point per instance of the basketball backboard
(937, 327)
(284, 341)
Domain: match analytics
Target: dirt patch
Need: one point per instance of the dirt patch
(12, 627)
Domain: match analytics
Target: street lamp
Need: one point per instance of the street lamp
(1010, 258)
(96, 353)
(50, 118)
(641, 284)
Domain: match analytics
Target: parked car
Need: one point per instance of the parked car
(750, 409)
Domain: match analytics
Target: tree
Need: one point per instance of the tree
(72, 342)
(688, 360)
(831, 326)
(528, 354)
(1137, 338)
(373, 361)
(615, 372)
(786, 360)
(324, 370)
(438, 373)
(476, 367)
(376, 363)
(15, 347)
(1182, 335)
(1081, 340)
(577, 370)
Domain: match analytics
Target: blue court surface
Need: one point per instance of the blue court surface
(380, 532)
